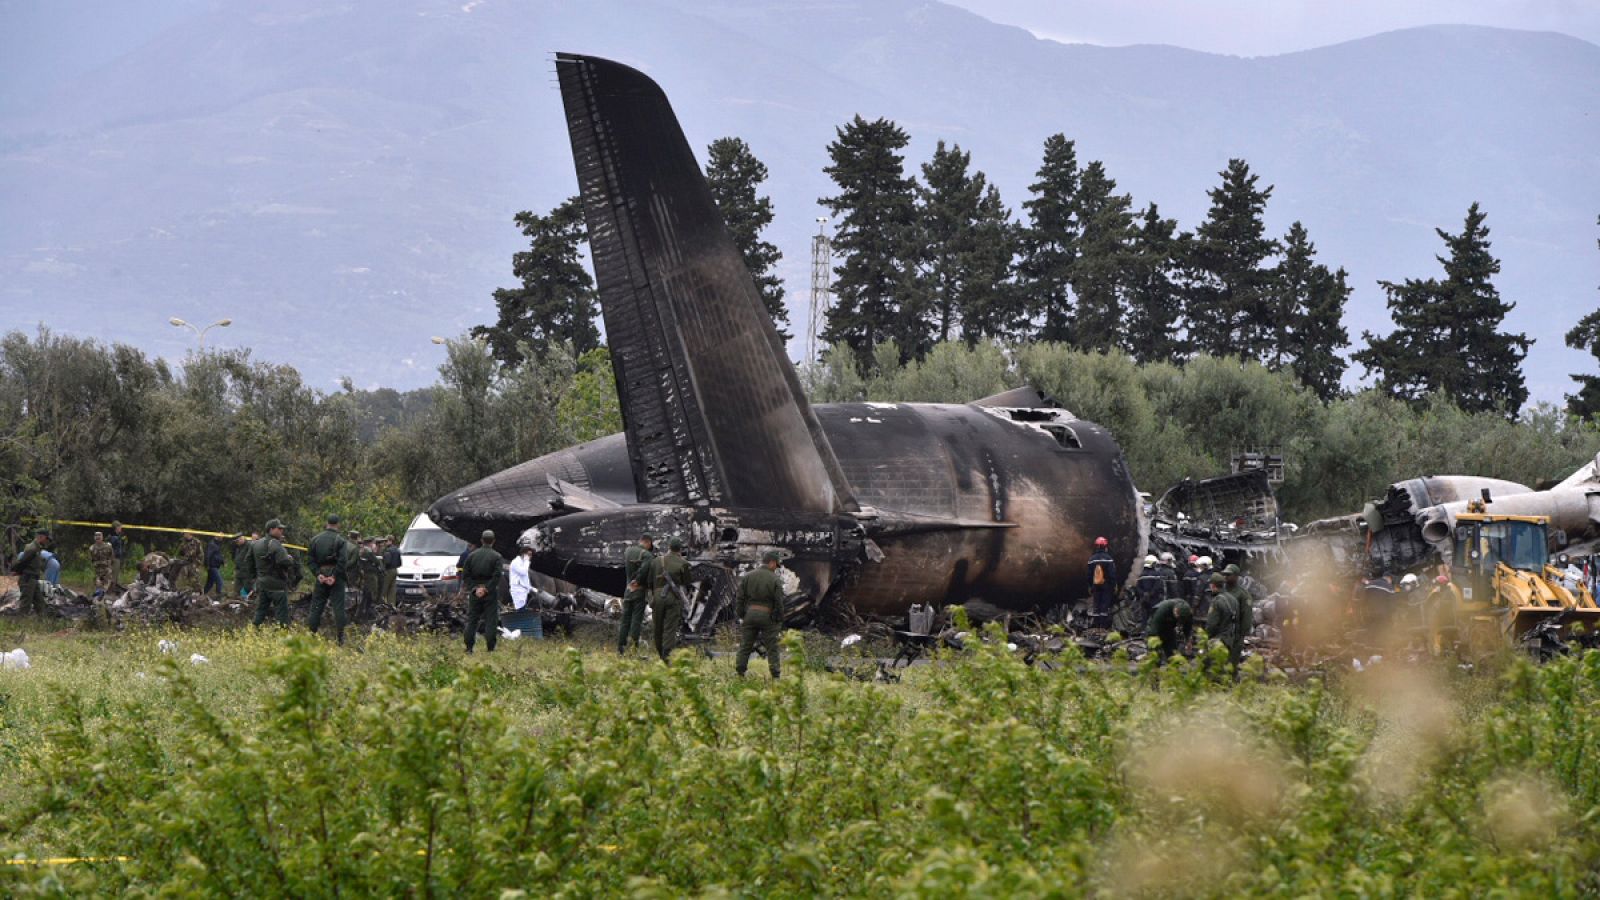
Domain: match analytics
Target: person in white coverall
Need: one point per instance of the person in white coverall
(522, 588)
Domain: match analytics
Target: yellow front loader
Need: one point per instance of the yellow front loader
(1505, 588)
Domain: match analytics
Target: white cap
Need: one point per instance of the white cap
(1149, 560)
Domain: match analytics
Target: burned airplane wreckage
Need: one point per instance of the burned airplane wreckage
(876, 506)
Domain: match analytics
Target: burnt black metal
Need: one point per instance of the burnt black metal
(876, 505)
(713, 410)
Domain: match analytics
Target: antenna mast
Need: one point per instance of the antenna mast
(821, 284)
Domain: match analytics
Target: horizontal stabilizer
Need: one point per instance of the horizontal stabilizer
(570, 496)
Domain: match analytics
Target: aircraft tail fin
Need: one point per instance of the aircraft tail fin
(712, 407)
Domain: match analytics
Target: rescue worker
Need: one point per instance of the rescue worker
(1202, 586)
(328, 556)
(214, 563)
(371, 577)
(1173, 623)
(1102, 579)
(104, 561)
(635, 561)
(29, 569)
(1168, 567)
(666, 599)
(760, 611)
(1223, 619)
(1189, 579)
(119, 546)
(391, 568)
(1440, 615)
(481, 580)
(269, 569)
(1151, 586)
(241, 549)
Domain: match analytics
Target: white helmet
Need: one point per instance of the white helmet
(1205, 562)
(1167, 558)
(1149, 560)
(1409, 582)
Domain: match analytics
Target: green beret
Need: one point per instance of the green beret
(676, 543)
(1231, 570)
(647, 536)
(772, 556)
(1218, 578)
(273, 523)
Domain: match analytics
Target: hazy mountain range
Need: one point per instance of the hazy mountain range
(340, 178)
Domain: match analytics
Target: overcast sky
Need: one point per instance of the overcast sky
(1260, 27)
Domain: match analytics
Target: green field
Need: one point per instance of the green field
(287, 767)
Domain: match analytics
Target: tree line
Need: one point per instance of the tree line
(937, 256)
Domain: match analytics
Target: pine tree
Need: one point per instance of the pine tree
(1586, 336)
(1307, 316)
(1154, 303)
(735, 174)
(873, 217)
(1050, 241)
(1229, 293)
(966, 249)
(556, 302)
(1447, 335)
(1103, 248)
(992, 308)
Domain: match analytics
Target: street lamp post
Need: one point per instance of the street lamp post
(200, 333)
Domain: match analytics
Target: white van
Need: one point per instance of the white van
(428, 556)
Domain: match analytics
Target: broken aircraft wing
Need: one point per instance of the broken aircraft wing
(713, 410)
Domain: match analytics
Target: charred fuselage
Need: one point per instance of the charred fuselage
(995, 507)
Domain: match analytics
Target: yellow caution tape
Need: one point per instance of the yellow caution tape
(66, 860)
(127, 527)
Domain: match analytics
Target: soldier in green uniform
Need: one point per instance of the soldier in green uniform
(391, 568)
(1247, 612)
(1222, 622)
(666, 600)
(481, 580)
(635, 561)
(269, 568)
(104, 561)
(1173, 623)
(327, 556)
(371, 576)
(29, 569)
(760, 612)
(241, 550)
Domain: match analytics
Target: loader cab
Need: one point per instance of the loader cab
(1482, 542)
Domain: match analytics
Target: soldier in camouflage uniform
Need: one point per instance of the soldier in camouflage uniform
(666, 600)
(760, 612)
(241, 549)
(635, 561)
(29, 569)
(104, 561)
(153, 570)
(191, 559)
